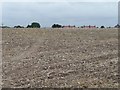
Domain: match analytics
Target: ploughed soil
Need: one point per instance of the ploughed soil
(57, 58)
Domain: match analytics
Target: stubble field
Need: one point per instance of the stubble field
(85, 58)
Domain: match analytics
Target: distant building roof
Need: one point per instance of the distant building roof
(88, 26)
(68, 26)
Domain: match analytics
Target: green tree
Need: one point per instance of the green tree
(28, 26)
(56, 26)
(102, 27)
(35, 25)
(18, 26)
(117, 26)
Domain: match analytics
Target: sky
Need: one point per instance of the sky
(64, 12)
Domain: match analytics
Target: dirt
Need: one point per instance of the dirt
(81, 58)
(0, 58)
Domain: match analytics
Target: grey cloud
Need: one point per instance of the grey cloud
(64, 13)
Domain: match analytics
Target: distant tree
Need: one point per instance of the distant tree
(82, 27)
(56, 26)
(102, 27)
(117, 26)
(18, 26)
(29, 26)
(35, 25)
(5, 27)
(89, 26)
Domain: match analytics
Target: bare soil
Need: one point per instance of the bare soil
(81, 58)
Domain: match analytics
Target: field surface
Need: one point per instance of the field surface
(85, 58)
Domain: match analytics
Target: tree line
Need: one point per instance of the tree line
(37, 25)
(33, 25)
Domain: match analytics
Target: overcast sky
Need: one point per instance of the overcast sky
(66, 13)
